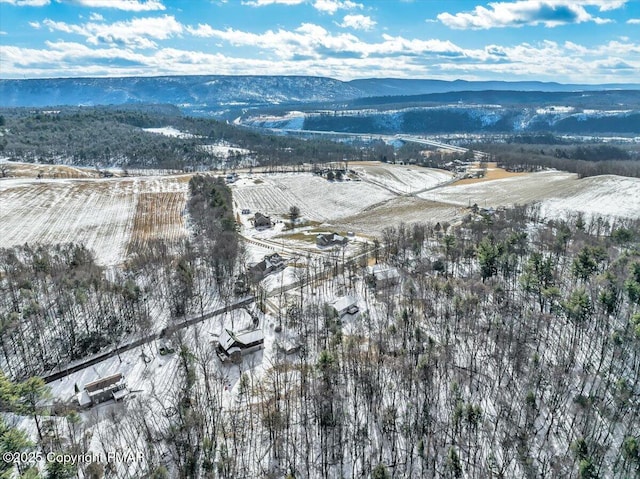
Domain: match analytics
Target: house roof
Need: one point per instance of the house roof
(344, 303)
(84, 399)
(228, 338)
(260, 217)
(330, 238)
(103, 382)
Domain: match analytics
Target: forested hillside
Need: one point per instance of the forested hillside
(110, 136)
(509, 348)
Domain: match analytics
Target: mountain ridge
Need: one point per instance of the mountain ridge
(192, 91)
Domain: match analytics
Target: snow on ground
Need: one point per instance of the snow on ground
(103, 214)
(400, 210)
(16, 169)
(292, 120)
(606, 195)
(221, 150)
(169, 131)
(317, 198)
(559, 193)
(144, 367)
(506, 191)
(400, 178)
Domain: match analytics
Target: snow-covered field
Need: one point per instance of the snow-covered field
(399, 210)
(390, 194)
(223, 150)
(402, 179)
(559, 193)
(15, 169)
(107, 215)
(505, 192)
(317, 198)
(605, 195)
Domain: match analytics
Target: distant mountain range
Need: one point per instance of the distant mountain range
(192, 93)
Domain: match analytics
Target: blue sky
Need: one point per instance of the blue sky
(569, 41)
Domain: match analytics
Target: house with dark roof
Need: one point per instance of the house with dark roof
(261, 221)
(270, 263)
(232, 346)
(103, 389)
(330, 239)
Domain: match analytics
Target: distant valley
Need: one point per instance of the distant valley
(368, 105)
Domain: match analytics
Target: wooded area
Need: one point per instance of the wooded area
(510, 348)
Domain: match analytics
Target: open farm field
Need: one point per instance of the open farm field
(110, 216)
(401, 209)
(31, 170)
(606, 195)
(505, 192)
(401, 178)
(367, 206)
(317, 198)
(559, 193)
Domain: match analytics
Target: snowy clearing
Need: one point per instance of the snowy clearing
(400, 210)
(169, 131)
(505, 192)
(221, 150)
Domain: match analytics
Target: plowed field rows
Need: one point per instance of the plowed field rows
(317, 198)
(104, 214)
(158, 216)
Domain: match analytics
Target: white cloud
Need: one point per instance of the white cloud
(550, 13)
(35, 25)
(96, 17)
(311, 41)
(326, 6)
(605, 5)
(202, 30)
(262, 3)
(634, 21)
(413, 58)
(128, 5)
(358, 22)
(332, 6)
(135, 33)
(27, 3)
